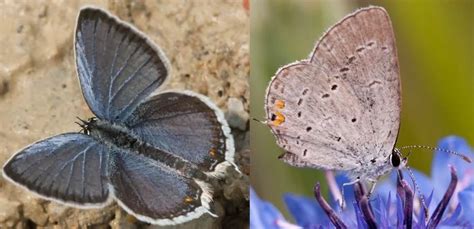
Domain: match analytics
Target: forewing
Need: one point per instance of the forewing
(187, 125)
(155, 193)
(341, 108)
(117, 65)
(70, 168)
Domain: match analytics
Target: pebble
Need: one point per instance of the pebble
(236, 114)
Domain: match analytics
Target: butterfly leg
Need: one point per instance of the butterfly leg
(342, 204)
(372, 189)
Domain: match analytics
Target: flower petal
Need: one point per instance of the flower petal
(359, 216)
(440, 209)
(306, 211)
(453, 219)
(349, 197)
(466, 200)
(389, 185)
(367, 211)
(408, 208)
(381, 211)
(443, 159)
(327, 209)
(263, 214)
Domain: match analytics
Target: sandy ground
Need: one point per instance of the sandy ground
(207, 43)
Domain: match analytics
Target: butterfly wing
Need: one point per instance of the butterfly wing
(340, 108)
(185, 124)
(155, 193)
(117, 66)
(70, 168)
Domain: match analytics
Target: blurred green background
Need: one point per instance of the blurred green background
(435, 46)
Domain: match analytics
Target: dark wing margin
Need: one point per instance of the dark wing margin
(187, 125)
(154, 193)
(69, 168)
(117, 65)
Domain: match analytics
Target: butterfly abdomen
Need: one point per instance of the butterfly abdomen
(116, 136)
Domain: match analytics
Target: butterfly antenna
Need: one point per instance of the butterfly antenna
(464, 157)
(260, 121)
(80, 119)
(80, 124)
(422, 198)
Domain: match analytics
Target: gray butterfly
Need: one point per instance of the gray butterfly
(153, 154)
(340, 108)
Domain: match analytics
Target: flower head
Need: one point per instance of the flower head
(449, 196)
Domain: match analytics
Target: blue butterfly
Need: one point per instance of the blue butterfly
(153, 154)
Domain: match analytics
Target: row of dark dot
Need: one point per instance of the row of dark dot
(334, 87)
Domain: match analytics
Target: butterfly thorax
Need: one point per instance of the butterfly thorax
(371, 171)
(111, 134)
(117, 136)
(374, 169)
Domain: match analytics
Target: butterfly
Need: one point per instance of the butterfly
(153, 153)
(340, 108)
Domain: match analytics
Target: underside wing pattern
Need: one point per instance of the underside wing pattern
(342, 105)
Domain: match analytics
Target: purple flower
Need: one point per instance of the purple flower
(462, 200)
(264, 215)
(449, 196)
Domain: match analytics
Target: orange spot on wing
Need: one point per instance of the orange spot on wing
(280, 104)
(213, 152)
(188, 199)
(279, 119)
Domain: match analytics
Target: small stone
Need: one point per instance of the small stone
(100, 217)
(35, 212)
(4, 87)
(56, 212)
(236, 114)
(123, 220)
(9, 212)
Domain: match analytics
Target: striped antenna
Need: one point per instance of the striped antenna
(464, 157)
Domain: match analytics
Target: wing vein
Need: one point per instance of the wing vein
(135, 190)
(112, 73)
(130, 78)
(42, 159)
(100, 170)
(137, 96)
(95, 53)
(83, 178)
(72, 167)
(164, 117)
(114, 77)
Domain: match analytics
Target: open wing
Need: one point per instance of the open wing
(155, 193)
(185, 124)
(70, 168)
(341, 107)
(117, 65)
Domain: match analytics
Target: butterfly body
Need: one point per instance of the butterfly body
(117, 137)
(371, 171)
(110, 134)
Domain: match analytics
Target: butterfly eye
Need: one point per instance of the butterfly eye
(395, 159)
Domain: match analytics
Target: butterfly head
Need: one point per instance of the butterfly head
(86, 125)
(397, 160)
